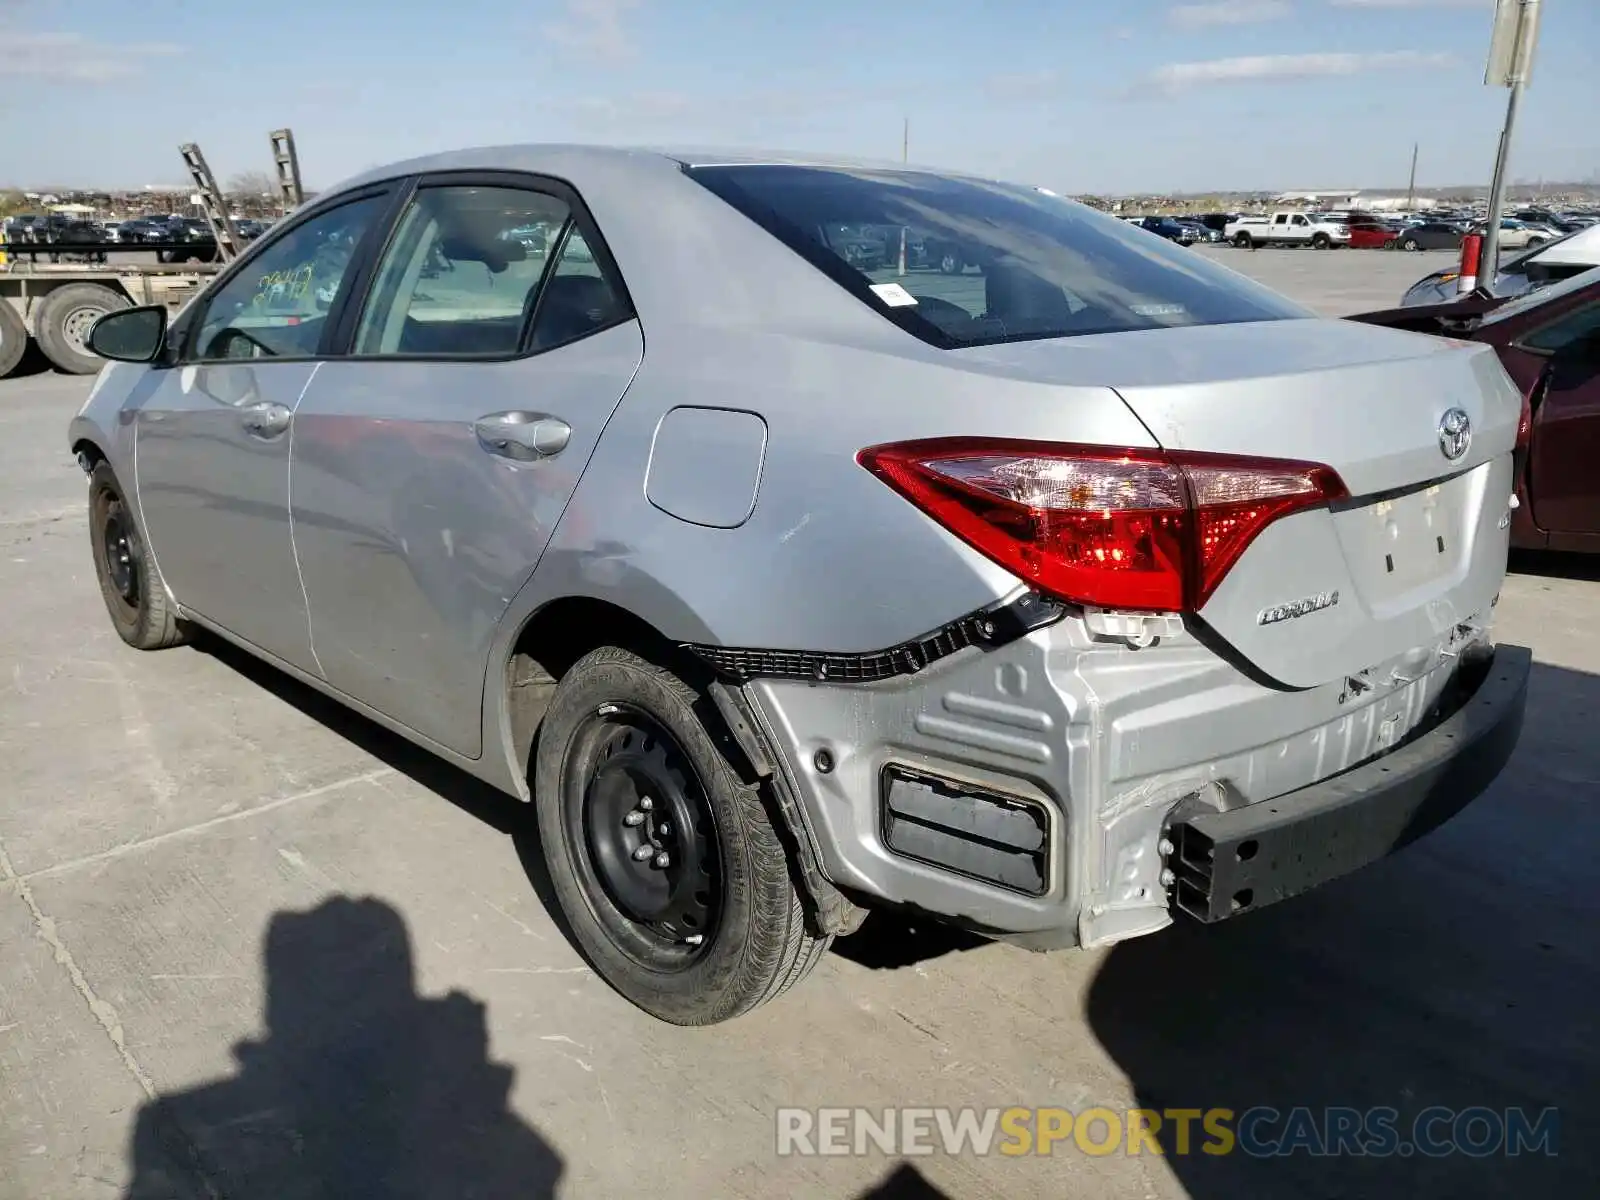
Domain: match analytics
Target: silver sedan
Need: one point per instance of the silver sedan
(1063, 592)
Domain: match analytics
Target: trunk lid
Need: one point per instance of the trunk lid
(1419, 547)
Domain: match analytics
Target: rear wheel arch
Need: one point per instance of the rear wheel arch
(553, 638)
(563, 631)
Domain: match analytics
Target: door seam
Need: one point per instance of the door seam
(294, 546)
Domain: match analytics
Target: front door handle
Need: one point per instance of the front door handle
(266, 419)
(523, 435)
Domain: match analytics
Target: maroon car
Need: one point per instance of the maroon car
(1549, 343)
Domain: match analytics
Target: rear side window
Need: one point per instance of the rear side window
(462, 273)
(965, 262)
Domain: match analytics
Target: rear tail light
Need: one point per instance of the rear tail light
(1108, 528)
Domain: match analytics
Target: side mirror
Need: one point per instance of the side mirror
(130, 334)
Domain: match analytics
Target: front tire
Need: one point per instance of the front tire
(1411, 244)
(668, 866)
(135, 597)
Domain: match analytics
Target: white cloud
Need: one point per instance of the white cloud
(1281, 67)
(597, 29)
(73, 58)
(1228, 12)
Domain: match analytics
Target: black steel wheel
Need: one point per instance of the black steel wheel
(670, 869)
(135, 598)
(648, 837)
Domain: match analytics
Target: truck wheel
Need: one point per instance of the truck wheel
(1243, 241)
(135, 597)
(63, 320)
(1320, 241)
(668, 867)
(951, 264)
(13, 339)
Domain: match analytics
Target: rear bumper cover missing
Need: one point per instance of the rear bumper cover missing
(1226, 863)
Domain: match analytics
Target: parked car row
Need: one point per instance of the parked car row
(1363, 230)
(58, 229)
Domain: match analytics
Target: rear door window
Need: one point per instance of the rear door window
(462, 273)
(966, 262)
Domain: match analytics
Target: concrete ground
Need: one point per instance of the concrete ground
(247, 936)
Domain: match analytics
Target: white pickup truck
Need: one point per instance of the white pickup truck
(1320, 231)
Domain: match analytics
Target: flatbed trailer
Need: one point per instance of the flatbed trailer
(56, 303)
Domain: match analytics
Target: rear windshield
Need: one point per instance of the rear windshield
(965, 262)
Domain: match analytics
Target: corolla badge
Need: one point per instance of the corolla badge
(1297, 608)
(1455, 433)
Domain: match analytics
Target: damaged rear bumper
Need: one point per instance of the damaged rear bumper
(1226, 863)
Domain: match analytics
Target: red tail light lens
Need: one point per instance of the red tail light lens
(1135, 529)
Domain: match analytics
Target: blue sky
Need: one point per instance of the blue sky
(1079, 95)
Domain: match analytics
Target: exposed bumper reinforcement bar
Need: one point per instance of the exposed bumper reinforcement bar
(1226, 863)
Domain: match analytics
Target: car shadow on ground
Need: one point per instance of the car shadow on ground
(1552, 564)
(359, 1087)
(1459, 973)
(887, 940)
(493, 807)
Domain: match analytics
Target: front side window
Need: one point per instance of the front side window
(278, 303)
(965, 262)
(462, 273)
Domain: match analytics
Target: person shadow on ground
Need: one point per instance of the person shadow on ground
(359, 1088)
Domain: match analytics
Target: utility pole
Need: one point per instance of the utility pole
(1411, 188)
(1516, 29)
(905, 157)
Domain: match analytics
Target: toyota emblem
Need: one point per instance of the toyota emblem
(1455, 433)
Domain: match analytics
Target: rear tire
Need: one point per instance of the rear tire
(625, 769)
(13, 339)
(63, 319)
(135, 597)
(1411, 244)
(1243, 241)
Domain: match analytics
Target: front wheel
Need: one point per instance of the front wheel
(1411, 244)
(669, 868)
(135, 597)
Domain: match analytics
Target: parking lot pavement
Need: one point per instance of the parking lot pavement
(247, 934)
(1335, 283)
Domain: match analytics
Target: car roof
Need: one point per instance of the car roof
(556, 158)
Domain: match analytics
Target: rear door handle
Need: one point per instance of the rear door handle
(266, 419)
(524, 436)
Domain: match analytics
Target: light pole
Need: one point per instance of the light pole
(1516, 28)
